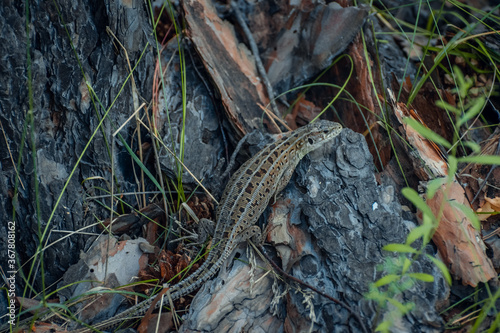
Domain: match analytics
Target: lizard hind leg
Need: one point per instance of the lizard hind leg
(253, 232)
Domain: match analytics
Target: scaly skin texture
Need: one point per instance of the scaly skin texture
(245, 198)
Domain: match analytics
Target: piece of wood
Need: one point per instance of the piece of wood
(229, 64)
(459, 244)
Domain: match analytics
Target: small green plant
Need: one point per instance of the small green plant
(398, 275)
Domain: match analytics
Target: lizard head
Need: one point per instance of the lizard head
(317, 134)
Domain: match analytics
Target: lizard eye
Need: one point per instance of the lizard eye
(311, 141)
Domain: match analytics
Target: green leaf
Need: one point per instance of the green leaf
(415, 234)
(480, 159)
(457, 73)
(389, 278)
(432, 225)
(464, 84)
(472, 112)
(384, 326)
(452, 166)
(448, 107)
(376, 295)
(473, 146)
(434, 185)
(415, 199)
(400, 248)
(427, 133)
(422, 277)
(442, 267)
(402, 309)
(471, 215)
(142, 166)
(406, 265)
(423, 231)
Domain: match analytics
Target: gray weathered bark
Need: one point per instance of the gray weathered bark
(66, 42)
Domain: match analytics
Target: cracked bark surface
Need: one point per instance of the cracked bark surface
(65, 116)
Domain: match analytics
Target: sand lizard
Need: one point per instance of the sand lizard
(244, 199)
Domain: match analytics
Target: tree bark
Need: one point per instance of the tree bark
(68, 47)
